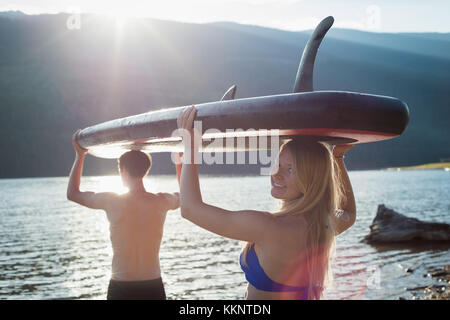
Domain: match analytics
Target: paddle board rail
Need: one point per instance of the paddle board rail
(331, 116)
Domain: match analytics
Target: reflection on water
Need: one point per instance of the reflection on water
(54, 249)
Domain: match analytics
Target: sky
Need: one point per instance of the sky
(293, 15)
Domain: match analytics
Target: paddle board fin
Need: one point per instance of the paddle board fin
(304, 78)
(230, 94)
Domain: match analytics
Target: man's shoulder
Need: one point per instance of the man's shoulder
(160, 199)
(109, 194)
(170, 201)
(154, 198)
(163, 195)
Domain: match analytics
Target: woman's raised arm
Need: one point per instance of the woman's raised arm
(348, 205)
(246, 225)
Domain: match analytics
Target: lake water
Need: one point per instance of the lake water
(51, 248)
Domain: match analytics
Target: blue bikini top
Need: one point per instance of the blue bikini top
(256, 276)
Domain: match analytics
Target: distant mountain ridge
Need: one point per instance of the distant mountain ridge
(54, 80)
(434, 44)
(12, 14)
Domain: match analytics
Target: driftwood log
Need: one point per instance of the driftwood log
(392, 227)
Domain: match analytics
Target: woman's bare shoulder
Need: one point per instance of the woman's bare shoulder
(289, 228)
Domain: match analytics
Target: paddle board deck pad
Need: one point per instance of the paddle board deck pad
(334, 117)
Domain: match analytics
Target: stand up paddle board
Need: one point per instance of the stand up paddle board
(335, 117)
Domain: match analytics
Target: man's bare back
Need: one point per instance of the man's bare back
(136, 229)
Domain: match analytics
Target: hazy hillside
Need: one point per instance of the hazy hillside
(433, 44)
(54, 80)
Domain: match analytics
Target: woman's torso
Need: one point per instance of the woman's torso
(283, 258)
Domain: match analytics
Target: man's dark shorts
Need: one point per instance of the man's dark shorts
(136, 290)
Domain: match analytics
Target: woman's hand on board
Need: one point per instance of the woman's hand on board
(190, 134)
(186, 118)
(340, 149)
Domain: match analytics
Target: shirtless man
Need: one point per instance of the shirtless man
(136, 223)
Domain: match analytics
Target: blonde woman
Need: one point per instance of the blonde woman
(287, 255)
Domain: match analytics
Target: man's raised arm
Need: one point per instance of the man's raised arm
(88, 199)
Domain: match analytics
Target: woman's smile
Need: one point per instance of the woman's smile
(278, 185)
(283, 181)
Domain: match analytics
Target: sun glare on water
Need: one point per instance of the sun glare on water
(111, 184)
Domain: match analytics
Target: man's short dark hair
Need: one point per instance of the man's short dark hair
(137, 163)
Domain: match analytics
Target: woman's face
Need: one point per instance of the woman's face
(284, 185)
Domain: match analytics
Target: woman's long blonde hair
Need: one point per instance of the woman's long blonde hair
(318, 180)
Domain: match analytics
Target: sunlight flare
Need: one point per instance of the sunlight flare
(111, 184)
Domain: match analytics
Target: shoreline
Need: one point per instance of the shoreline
(428, 166)
(433, 292)
(445, 166)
